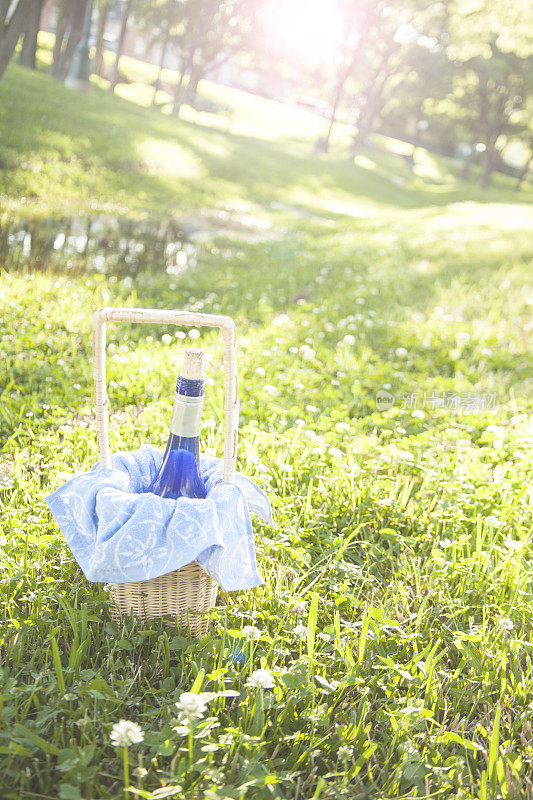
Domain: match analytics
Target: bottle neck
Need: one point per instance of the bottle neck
(190, 387)
(187, 409)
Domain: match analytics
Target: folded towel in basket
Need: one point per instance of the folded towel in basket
(118, 532)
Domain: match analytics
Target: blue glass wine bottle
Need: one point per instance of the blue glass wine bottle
(178, 475)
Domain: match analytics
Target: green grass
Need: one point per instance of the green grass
(405, 535)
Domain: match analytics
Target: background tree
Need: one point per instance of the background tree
(161, 21)
(488, 106)
(13, 18)
(425, 78)
(69, 29)
(103, 7)
(359, 19)
(32, 27)
(492, 47)
(524, 172)
(114, 76)
(384, 45)
(403, 40)
(499, 87)
(210, 33)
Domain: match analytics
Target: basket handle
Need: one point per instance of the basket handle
(164, 316)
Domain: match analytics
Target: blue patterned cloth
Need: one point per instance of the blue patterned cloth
(118, 532)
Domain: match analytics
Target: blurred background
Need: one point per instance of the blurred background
(414, 95)
(452, 77)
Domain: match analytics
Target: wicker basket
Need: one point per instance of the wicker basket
(184, 595)
(187, 593)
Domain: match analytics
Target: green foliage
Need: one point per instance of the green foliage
(403, 547)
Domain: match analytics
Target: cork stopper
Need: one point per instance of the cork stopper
(193, 364)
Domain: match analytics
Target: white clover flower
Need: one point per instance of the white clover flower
(325, 637)
(307, 352)
(401, 352)
(418, 414)
(298, 608)
(261, 679)
(349, 340)
(514, 544)
(194, 333)
(311, 409)
(125, 733)
(405, 455)
(505, 624)
(271, 390)
(209, 423)
(166, 338)
(345, 752)
(494, 521)
(446, 543)
(251, 632)
(140, 772)
(260, 371)
(301, 631)
(192, 705)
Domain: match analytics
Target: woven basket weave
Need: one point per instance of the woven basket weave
(187, 594)
(184, 595)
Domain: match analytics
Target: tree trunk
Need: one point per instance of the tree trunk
(185, 69)
(4, 8)
(195, 76)
(74, 32)
(157, 84)
(488, 163)
(29, 43)
(468, 162)
(323, 144)
(11, 32)
(374, 100)
(63, 13)
(74, 36)
(416, 139)
(524, 173)
(178, 92)
(366, 129)
(120, 44)
(98, 62)
(373, 107)
(499, 120)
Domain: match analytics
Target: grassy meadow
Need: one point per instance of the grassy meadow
(398, 598)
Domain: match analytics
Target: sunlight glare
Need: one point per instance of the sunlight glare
(311, 29)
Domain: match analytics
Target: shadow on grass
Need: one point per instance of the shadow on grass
(103, 147)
